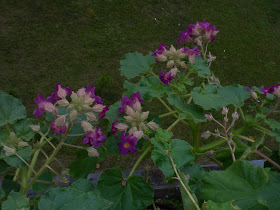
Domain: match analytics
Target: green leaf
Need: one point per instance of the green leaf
(148, 86)
(4, 138)
(248, 185)
(9, 185)
(14, 161)
(39, 187)
(73, 197)
(135, 63)
(112, 113)
(16, 201)
(84, 165)
(200, 67)
(82, 185)
(2, 193)
(111, 145)
(23, 130)
(187, 110)
(133, 193)
(180, 87)
(162, 135)
(187, 202)
(217, 96)
(276, 133)
(196, 175)
(180, 151)
(11, 109)
(3, 166)
(210, 205)
(273, 124)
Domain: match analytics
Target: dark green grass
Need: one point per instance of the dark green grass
(75, 42)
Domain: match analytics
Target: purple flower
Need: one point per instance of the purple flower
(185, 36)
(40, 101)
(135, 96)
(191, 53)
(125, 102)
(266, 90)
(55, 95)
(160, 50)
(275, 89)
(91, 91)
(166, 77)
(57, 129)
(103, 113)
(94, 138)
(127, 144)
(114, 130)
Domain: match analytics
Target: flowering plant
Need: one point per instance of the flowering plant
(126, 128)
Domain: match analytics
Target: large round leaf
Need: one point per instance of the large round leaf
(133, 193)
(135, 63)
(210, 205)
(23, 130)
(11, 109)
(16, 201)
(251, 187)
(200, 67)
(217, 96)
(181, 153)
(79, 196)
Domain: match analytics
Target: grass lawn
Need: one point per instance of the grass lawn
(76, 42)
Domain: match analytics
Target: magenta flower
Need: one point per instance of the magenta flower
(275, 89)
(135, 96)
(57, 129)
(114, 129)
(91, 90)
(127, 144)
(55, 95)
(166, 77)
(103, 113)
(40, 101)
(191, 53)
(160, 50)
(94, 138)
(126, 101)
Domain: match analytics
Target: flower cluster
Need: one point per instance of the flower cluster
(275, 90)
(134, 122)
(198, 32)
(83, 102)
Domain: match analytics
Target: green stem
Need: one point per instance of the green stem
(217, 162)
(74, 146)
(245, 138)
(24, 161)
(190, 100)
(241, 113)
(187, 95)
(274, 108)
(267, 158)
(164, 104)
(167, 114)
(212, 145)
(8, 127)
(50, 159)
(23, 180)
(139, 160)
(262, 128)
(16, 175)
(173, 124)
(195, 133)
(42, 181)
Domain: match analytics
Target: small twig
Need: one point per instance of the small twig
(267, 158)
(47, 139)
(24, 162)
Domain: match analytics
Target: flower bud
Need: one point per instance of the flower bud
(121, 126)
(235, 115)
(209, 117)
(153, 125)
(86, 126)
(206, 134)
(35, 128)
(129, 111)
(170, 64)
(63, 102)
(183, 64)
(98, 108)
(225, 119)
(81, 92)
(84, 107)
(14, 140)
(60, 121)
(88, 100)
(137, 106)
(92, 152)
(210, 153)
(129, 119)
(73, 115)
(23, 144)
(161, 58)
(138, 134)
(132, 130)
(254, 95)
(50, 107)
(172, 49)
(224, 110)
(61, 93)
(8, 150)
(173, 72)
(144, 115)
(91, 117)
(74, 96)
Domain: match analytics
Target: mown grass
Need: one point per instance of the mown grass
(75, 42)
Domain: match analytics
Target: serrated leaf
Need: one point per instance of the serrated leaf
(191, 111)
(276, 133)
(248, 185)
(39, 187)
(14, 161)
(187, 202)
(200, 67)
(148, 86)
(180, 151)
(84, 165)
(210, 205)
(162, 135)
(135, 63)
(82, 185)
(4, 138)
(111, 145)
(217, 96)
(133, 193)
(273, 124)
(71, 198)
(11, 109)
(23, 130)
(16, 201)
